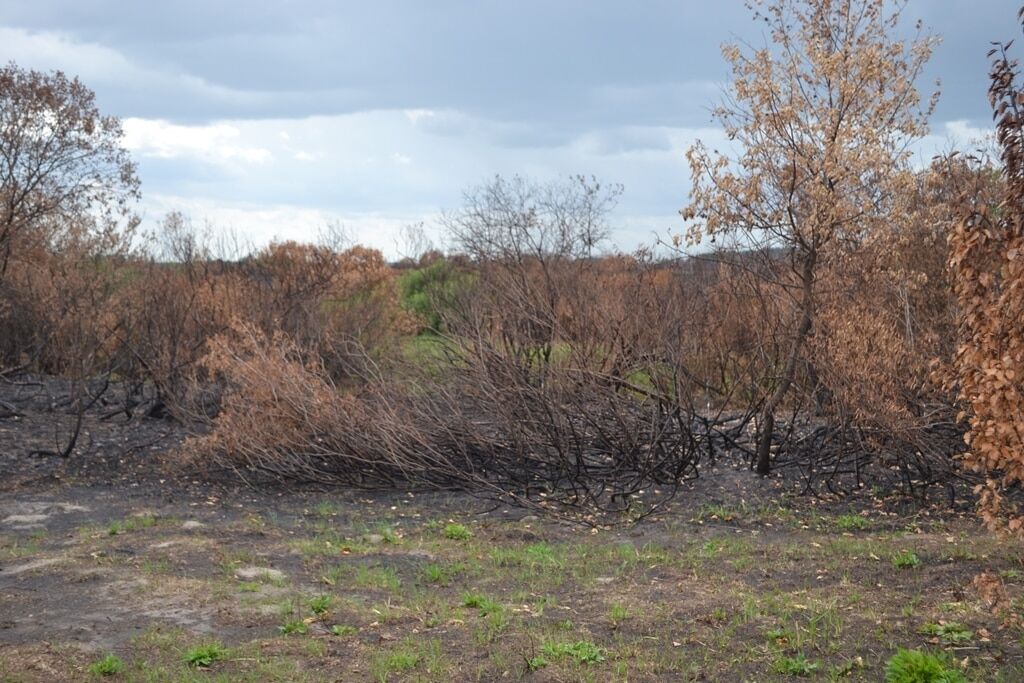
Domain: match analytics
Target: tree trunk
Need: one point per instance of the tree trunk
(766, 425)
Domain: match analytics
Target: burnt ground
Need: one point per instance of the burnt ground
(111, 552)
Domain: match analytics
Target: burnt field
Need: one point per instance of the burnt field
(111, 560)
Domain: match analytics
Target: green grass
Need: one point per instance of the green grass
(618, 613)
(915, 666)
(111, 665)
(131, 524)
(408, 655)
(486, 605)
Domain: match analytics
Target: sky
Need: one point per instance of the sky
(274, 119)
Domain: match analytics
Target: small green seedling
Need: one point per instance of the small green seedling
(294, 627)
(950, 633)
(582, 651)
(205, 655)
(905, 559)
(320, 604)
(795, 666)
(851, 523)
(111, 665)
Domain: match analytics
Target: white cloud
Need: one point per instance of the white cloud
(257, 224)
(964, 134)
(216, 142)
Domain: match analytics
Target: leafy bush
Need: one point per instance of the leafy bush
(431, 290)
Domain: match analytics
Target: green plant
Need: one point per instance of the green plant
(405, 656)
(442, 574)
(320, 604)
(456, 532)
(534, 663)
(950, 633)
(794, 666)
(205, 655)
(851, 523)
(343, 630)
(482, 603)
(429, 291)
(905, 559)
(582, 651)
(915, 666)
(618, 613)
(108, 666)
(294, 627)
(131, 524)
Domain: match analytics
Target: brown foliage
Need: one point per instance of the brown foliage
(987, 261)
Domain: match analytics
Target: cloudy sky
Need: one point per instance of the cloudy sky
(274, 118)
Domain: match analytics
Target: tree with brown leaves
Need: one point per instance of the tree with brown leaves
(820, 124)
(61, 162)
(987, 264)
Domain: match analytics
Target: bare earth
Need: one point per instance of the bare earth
(741, 581)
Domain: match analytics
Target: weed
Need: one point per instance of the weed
(343, 630)
(205, 655)
(719, 512)
(296, 627)
(409, 654)
(617, 613)
(851, 523)
(582, 651)
(950, 633)
(794, 666)
(456, 532)
(482, 603)
(535, 663)
(108, 666)
(915, 666)
(131, 524)
(905, 559)
(442, 574)
(320, 604)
